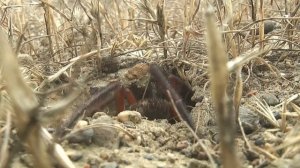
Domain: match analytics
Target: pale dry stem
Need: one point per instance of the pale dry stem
(219, 81)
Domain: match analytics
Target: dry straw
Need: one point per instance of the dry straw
(219, 81)
(27, 114)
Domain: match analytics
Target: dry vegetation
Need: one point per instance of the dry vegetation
(53, 52)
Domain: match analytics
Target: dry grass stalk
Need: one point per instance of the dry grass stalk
(161, 21)
(203, 146)
(25, 102)
(147, 8)
(237, 62)
(283, 124)
(261, 24)
(219, 81)
(291, 142)
(26, 108)
(190, 10)
(264, 110)
(238, 89)
(4, 151)
(49, 23)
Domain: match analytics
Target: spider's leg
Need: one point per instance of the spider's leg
(182, 88)
(121, 94)
(179, 105)
(97, 101)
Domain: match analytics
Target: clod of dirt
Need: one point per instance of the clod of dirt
(129, 116)
(106, 136)
(81, 136)
(270, 99)
(75, 155)
(106, 133)
(109, 165)
(182, 144)
(25, 60)
(282, 163)
(198, 164)
(249, 119)
(251, 155)
(80, 124)
(98, 115)
(26, 159)
(269, 26)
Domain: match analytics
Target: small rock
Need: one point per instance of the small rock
(161, 165)
(149, 156)
(249, 120)
(25, 60)
(99, 114)
(251, 155)
(198, 164)
(79, 134)
(109, 165)
(266, 123)
(295, 161)
(282, 163)
(171, 157)
(270, 99)
(75, 156)
(102, 119)
(80, 124)
(182, 144)
(93, 162)
(132, 116)
(297, 101)
(82, 136)
(269, 26)
(260, 141)
(106, 136)
(26, 159)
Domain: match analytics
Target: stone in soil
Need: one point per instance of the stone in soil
(132, 116)
(270, 99)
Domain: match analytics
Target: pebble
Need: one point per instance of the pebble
(260, 141)
(270, 99)
(99, 114)
(132, 116)
(297, 101)
(182, 144)
(26, 159)
(80, 134)
(171, 157)
(282, 163)
(109, 165)
(249, 120)
(198, 164)
(102, 119)
(251, 155)
(106, 136)
(80, 124)
(295, 161)
(75, 156)
(93, 162)
(83, 136)
(161, 165)
(149, 156)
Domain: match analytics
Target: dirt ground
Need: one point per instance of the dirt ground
(86, 46)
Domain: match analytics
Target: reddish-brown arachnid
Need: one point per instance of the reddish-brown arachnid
(171, 108)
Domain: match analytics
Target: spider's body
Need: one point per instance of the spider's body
(152, 105)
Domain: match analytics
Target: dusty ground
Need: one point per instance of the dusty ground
(139, 142)
(106, 140)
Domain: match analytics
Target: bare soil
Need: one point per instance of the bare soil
(270, 83)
